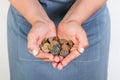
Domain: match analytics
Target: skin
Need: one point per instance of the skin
(69, 28)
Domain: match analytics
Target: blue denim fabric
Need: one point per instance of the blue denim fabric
(91, 65)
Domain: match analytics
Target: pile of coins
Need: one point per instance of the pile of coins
(56, 46)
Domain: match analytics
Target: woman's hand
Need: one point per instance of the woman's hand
(71, 30)
(38, 32)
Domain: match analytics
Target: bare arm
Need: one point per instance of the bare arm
(31, 10)
(42, 26)
(70, 27)
(82, 10)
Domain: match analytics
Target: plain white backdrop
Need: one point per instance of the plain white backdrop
(114, 58)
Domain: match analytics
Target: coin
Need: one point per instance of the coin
(56, 46)
(55, 50)
(64, 53)
(45, 47)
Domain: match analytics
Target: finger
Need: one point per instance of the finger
(80, 49)
(74, 39)
(32, 40)
(61, 58)
(56, 59)
(45, 55)
(32, 43)
(34, 52)
(74, 54)
(59, 66)
(54, 64)
(82, 42)
(47, 60)
(74, 48)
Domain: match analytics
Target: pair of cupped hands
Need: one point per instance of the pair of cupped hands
(71, 30)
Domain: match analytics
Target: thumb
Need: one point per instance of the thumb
(32, 44)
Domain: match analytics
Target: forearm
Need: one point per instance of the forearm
(82, 10)
(31, 10)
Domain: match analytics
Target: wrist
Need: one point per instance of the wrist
(41, 21)
(69, 21)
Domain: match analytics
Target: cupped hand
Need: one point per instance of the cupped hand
(71, 30)
(38, 32)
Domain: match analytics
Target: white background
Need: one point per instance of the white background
(114, 59)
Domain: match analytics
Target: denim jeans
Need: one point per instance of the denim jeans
(91, 65)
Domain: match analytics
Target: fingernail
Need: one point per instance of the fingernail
(54, 66)
(60, 67)
(35, 52)
(81, 50)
